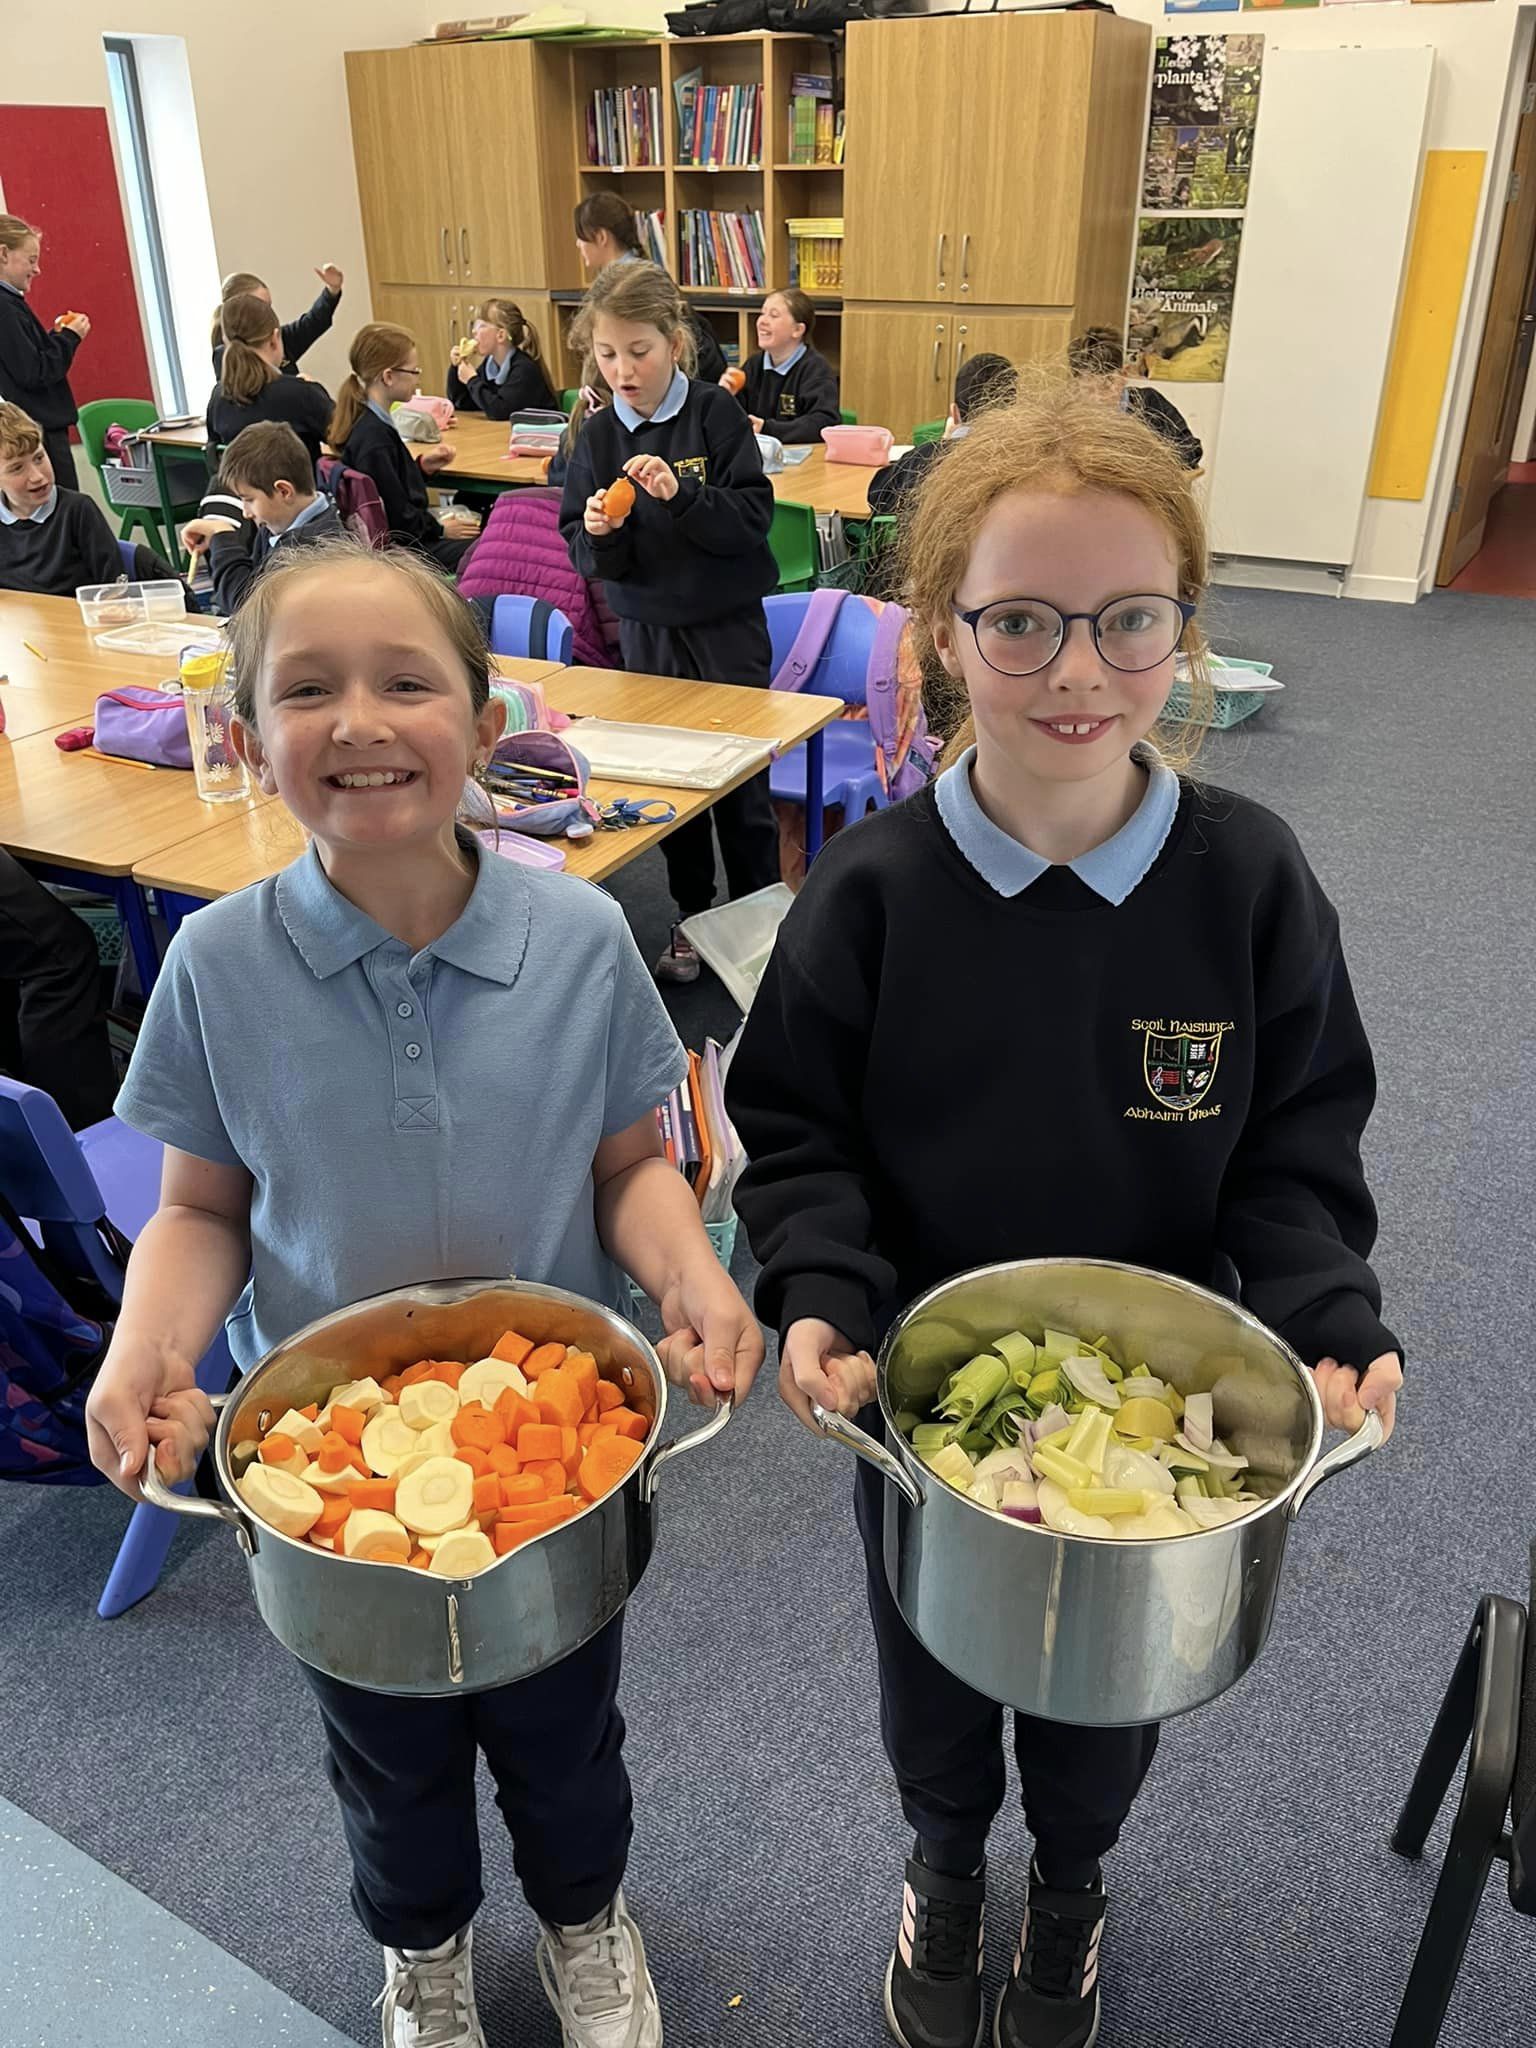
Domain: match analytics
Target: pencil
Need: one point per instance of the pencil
(34, 650)
(117, 760)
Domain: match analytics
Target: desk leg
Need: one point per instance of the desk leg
(814, 797)
(176, 909)
(134, 912)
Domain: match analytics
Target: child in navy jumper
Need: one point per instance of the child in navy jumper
(385, 372)
(687, 569)
(1054, 562)
(34, 359)
(499, 372)
(790, 391)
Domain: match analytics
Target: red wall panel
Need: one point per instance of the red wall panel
(57, 170)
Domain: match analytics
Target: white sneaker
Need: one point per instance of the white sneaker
(596, 1979)
(428, 1998)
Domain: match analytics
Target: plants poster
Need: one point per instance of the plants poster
(1181, 299)
(1205, 101)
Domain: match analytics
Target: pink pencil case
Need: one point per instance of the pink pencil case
(859, 444)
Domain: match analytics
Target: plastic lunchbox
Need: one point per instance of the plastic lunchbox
(105, 606)
(871, 445)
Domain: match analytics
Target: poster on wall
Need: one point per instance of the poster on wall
(1279, 3)
(1202, 6)
(1181, 300)
(1205, 101)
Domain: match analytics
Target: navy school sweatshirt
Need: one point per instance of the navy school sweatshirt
(54, 556)
(1180, 1082)
(525, 388)
(34, 364)
(698, 556)
(797, 404)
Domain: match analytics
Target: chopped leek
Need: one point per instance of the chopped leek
(1018, 1354)
(1061, 1466)
(973, 1388)
(1106, 1500)
(951, 1465)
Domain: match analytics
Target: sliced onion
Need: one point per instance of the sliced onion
(1091, 1381)
(1024, 1515)
(1199, 1422)
(1218, 1458)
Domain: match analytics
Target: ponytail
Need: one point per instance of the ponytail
(520, 330)
(351, 404)
(235, 286)
(245, 321)
(375, 348)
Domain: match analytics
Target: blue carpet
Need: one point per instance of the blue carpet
(1255, 1901)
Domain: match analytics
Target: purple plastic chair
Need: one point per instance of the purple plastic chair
(65, 1184)
(849, 778)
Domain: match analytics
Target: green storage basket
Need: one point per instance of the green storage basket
(1231, 706)
(107, 930)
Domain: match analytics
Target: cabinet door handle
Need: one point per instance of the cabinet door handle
(938, 258)
(965, 263)
(938, 343)
(453, 328)
(447, 252)
(964, 345)
(464, 249)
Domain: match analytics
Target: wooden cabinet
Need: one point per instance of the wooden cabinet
(1021, 337)
(904, 94)
(399, 142)
(499, 214)
(902, 361)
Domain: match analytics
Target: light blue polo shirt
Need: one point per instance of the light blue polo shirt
(671, 405)
(404, 1118)
(1111, 870)
(40, 517)
(783, 369)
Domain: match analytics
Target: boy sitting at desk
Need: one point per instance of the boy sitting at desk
(266, 471)
(51, 540)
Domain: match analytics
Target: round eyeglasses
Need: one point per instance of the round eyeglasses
(1019, 635)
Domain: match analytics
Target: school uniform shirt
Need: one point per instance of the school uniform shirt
(692, 558)
(375, 447)
(499, 390)
(52, 551)
(34, 363)
(298, 335)
(1151, 1055)
(794, 400)
(295, 401)
(387, 1104)
(237, 559)
(1165, 420)
(891, 487)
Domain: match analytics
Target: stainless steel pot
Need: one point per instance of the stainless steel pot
(1097, 1631)
(396, 1630)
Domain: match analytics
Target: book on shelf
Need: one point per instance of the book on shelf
(624, 127)
(825, 129)
(810, 94)
(816, 253)
(723, 250)
(653, 236)
(685, 90)
(720, 126)
(837, 135)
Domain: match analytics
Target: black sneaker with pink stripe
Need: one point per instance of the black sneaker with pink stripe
(933, 1982)
(1052, 1998)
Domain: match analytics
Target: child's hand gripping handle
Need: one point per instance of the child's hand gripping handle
(155, 1490)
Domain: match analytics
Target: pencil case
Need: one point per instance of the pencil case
(139, 724)
(871, 445)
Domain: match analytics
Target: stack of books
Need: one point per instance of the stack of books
(624, 127)
(816, 254)
(725, 250)
(699, 1137)
(812, 120)
(653, 235)
(718, 125)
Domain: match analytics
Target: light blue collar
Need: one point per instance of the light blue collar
(44, 512)
(783, 369)
(375, 407)
(489, 938)
(312, 510)
(669, 408)
(1112, 870)
(494, 372)
(16, 288)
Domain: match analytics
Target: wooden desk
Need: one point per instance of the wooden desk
(60, 688)
(249, 847)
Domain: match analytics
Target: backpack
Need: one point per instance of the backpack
(356, 498)
(906, 753)
(54, 1331)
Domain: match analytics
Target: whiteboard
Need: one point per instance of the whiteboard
(1330, 202)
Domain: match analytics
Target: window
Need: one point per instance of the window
(144, 223)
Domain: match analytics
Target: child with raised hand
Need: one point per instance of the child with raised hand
(789, 389)
(300, 335)
(1089, 896)
(500, 372)
(251, 386)
(685, 563)
(404, 957)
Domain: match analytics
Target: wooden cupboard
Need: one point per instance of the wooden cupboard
(902, 361)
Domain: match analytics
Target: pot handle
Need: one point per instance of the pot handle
(864, 1446)
(154, 1490)
(690, 1442)
(1367, 1438)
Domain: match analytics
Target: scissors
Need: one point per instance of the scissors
(633, 811)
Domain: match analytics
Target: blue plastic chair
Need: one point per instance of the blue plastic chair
(849, 778)
(127, 550)
(531, 628)
(66, 1184)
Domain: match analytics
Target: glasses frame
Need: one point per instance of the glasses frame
(1068, 619)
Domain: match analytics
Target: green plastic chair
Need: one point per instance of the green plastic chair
(134, 414)
(850, 419)
(568, 400)
(792, 537)
(930, 430)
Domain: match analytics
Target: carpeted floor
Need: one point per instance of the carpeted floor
(1255, 1901)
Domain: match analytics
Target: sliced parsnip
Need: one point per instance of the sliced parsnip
(296, 1463)
(461, 1554)
(370, 1533)
(305, 1434)
(437, 1441)
(430, 1543)
(488, 1379)
(365, 1394)
(436, 1497)
(281, 1500)
(426, 1402)
(329, 1482)
(387, 1438)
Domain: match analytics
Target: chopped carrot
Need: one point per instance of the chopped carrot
(522, 1489)
(572, 1450)
(560, 1398)
(359, 1463)
(449, 1370)
(312, 1412)
(515, 1409)
(511, 1348)
(504, 1460)
(505, 1537)
(547, 1358)
(609, 1396)
(607, 1464)
(552, 1472)
(546, 1514)
(538, 1440)
(334, 1452)
(335, 1511)
(582, 1367)
(588, 1432)
(487, 1494)
(390, 1388)
(478, 1425)
(478, 1461)
(416, 1372)
(422, 1559)
(348, 1422)
(629, 1423)
(373, 1493)
(277, 1450)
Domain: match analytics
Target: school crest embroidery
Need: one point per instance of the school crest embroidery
(1180, 1068)
(787, 406)
(696, 466)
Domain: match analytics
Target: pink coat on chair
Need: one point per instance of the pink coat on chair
(521, 554)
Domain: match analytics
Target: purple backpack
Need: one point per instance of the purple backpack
(140, 724)
(905, 751)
